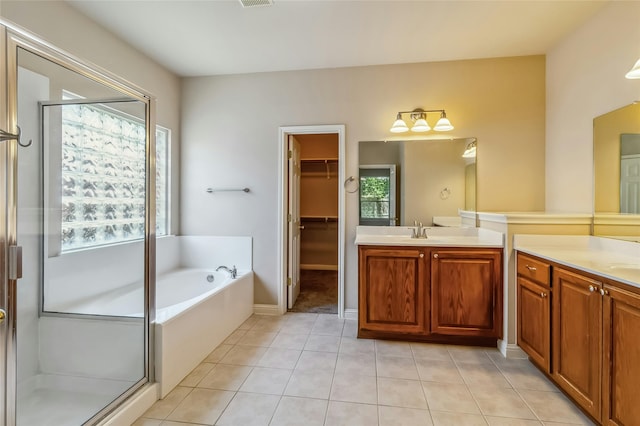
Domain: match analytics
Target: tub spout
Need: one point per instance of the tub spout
(233, 271)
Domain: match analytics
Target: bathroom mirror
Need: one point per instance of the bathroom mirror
(616, 152)
(434, 180)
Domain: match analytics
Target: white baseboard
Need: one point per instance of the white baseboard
(510, 350)
(351, 314)
(263, 309)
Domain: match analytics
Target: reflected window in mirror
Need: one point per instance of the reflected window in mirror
(378, 195)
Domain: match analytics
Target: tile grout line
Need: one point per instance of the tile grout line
(517, 392)
(466, 384)
(426, 400)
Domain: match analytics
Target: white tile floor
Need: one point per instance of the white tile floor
(310, 369)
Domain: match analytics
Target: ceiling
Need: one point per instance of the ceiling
(209, 37)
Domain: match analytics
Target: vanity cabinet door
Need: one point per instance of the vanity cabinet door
(392, 296)
(577, 338)
(466, 292)
(534, 322)
(621, 325)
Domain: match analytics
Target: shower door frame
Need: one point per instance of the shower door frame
(12, 38)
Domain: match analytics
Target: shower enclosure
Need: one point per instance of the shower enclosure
(77, 235)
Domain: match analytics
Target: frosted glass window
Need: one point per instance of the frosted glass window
(103, 177)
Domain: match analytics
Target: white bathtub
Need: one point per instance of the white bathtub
(194, 316)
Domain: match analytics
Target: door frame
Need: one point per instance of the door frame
(283, 185)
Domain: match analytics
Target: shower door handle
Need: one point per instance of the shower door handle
(15, 262)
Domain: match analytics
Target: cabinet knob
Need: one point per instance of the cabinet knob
(543, 295)
(421, 255)
(591, 289)
(531, 268)
(435, 256)
(604, 292)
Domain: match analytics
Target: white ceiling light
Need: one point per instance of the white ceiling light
(635, 71)
(255, 3)
(419, 118)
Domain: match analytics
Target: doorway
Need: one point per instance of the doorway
(312, 225)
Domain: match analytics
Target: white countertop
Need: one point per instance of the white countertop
(436, 236)
(614, 259)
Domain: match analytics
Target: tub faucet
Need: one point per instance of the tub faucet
(233, 271)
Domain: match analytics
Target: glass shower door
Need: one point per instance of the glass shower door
(85, 222)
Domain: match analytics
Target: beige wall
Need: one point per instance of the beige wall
(62, 26)
(585, 79)
(231, 139)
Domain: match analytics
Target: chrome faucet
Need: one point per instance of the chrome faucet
(418, 231)
(233, 271)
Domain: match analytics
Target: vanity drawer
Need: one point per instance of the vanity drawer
(534, 269)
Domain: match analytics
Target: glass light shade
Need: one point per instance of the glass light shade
(443, 125)
(635, 71)
(470, 152)
(399, 126)
(421, 125)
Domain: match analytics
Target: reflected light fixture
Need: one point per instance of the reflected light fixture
(470, 150)
(635, 71)
(419, 118)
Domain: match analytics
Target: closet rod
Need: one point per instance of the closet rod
(324, 219)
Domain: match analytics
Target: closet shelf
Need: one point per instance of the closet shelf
(319, 160)
(319, 218)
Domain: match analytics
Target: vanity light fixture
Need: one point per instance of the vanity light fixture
(635, 71)
(419, 118)
(470, 150)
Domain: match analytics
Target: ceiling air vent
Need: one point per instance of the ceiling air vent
(255, 3)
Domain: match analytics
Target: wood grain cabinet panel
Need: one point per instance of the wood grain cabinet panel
(456, 297)
(621, 325)
(465, 293)
(534, 322)
(577, 338)
(595, 334)
(392, 291)
(534, 269)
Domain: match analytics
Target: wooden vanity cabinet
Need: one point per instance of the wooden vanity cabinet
(392, 294)
(448, 295)
(595, 324)
(577, 338)
(534, 310)
(466, 296)
(621, 365)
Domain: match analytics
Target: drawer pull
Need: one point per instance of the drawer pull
(591, 289)
(531, 268)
